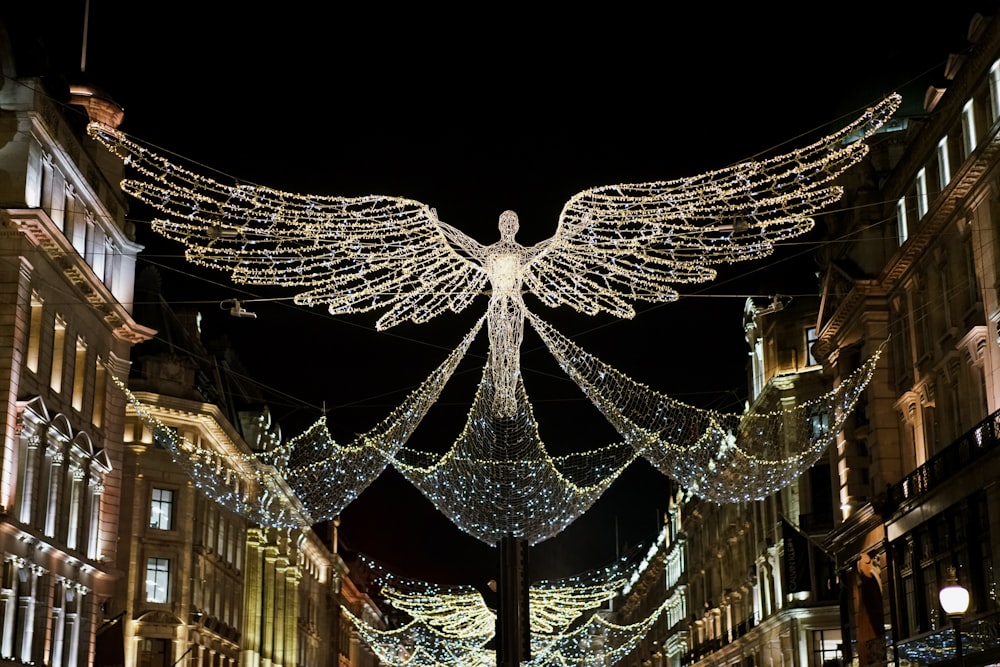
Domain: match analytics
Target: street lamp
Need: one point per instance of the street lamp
(955, 601)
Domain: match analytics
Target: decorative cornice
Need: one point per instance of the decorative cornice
(43, 233)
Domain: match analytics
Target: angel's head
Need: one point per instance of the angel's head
(508, 225)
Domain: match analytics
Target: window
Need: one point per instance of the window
(968, 128)
(79, 373)
(944, 164)
(34, 333)
(995, 89)
(901, 226)
(162, 509)
(923, 201)
(826, 647)
(810, 341)
(154, 652)
(58, 350)
(157, 580)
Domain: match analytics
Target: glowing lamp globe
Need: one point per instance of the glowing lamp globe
(954, 597)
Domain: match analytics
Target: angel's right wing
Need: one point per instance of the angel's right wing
(354, 254)
(554, 608)
(617, 244)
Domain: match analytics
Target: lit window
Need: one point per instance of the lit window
(968, 128)
(162, 509)
(34, 332)
(826, 647)
(79, 373)
(157, 580)
(923, 201)
(810, 341)
(944, 164)
(995, 89)
(58, 351)
(901, 226)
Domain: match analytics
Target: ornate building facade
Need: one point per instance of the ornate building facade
(206, 584)
(66, 273)
(845, 567)
(916, 273)
(111, 553)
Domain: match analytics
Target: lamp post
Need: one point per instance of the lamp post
(955, 601)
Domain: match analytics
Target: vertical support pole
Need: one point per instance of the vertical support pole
(513, 622)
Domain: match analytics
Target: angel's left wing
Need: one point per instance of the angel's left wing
(354, 254)
(454, 611)
(618, 244)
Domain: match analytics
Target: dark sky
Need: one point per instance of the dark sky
(474, 111)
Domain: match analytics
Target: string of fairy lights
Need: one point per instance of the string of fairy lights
(614, 245)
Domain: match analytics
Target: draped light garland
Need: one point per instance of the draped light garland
(327, 477)
(722, 457)
(614, 245)
(498, 480)
(595, 642)
(235, 480)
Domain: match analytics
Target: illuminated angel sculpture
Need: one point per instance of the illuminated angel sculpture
(614, 245)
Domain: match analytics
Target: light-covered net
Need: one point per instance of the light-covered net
(722, 457)
(498, 480)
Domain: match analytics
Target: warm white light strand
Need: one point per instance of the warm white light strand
(452, 625)
(234, 480)
(327, 476)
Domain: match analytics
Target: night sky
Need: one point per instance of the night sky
(475, 111)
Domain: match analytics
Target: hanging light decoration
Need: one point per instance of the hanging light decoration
(498, 480)
(614, 245)
(722, 457)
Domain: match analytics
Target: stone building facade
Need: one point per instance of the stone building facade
(909, 493)
(916, 273)
(111, 553)
(67, 258)
(749, 583)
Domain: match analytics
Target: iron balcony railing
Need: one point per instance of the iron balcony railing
(973, 445)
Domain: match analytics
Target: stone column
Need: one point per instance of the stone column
(280, 610)
(293, 578)
(268, 643)
(26, 612)
(253, 583)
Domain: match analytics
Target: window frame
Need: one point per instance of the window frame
(160, 507)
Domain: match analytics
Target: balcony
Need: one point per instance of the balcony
(972, 446)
